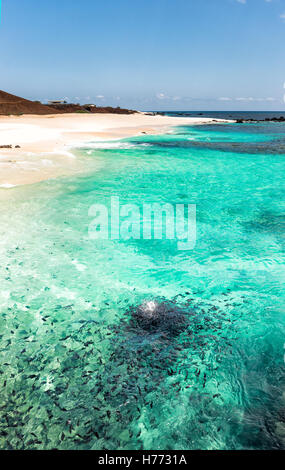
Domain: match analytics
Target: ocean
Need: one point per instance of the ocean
(134, 344)
(256, 115)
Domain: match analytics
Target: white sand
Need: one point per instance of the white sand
(45, 141)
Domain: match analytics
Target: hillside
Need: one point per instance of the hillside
(15, 105)
(11, 104)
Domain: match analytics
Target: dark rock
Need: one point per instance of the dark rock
(273, 119)
(280, 119)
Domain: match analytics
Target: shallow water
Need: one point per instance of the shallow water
(79, 367)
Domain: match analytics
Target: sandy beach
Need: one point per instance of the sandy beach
(44, 143)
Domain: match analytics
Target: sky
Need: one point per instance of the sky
(146, 54)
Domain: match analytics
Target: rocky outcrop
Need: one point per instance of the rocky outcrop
(87, 108)
(274, 119)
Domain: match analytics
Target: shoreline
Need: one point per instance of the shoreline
(46, 142)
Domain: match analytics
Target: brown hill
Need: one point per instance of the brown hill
(11, 104)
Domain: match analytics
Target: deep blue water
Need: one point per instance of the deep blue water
(258, 115)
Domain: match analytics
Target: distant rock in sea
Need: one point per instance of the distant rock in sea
(273, 119)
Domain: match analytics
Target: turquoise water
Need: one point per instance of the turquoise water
(80, 366)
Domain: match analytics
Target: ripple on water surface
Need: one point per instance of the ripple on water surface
(133, 344)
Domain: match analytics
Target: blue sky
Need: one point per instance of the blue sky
(146, 54)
